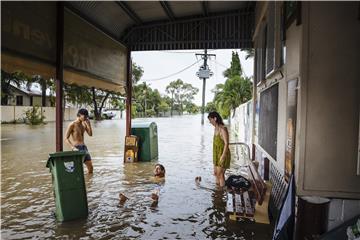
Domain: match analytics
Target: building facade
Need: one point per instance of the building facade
(306, 100)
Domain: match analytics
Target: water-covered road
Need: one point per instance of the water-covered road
(184, 211)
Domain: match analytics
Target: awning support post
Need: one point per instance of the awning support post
(128, 93)
(59, 75)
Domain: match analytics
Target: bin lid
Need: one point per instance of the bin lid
(142, 124)
(64, 154)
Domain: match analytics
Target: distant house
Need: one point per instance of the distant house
(24, 96)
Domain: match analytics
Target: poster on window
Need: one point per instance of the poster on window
(291, 108)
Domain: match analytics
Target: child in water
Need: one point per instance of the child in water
(159, 176)
(159, 171)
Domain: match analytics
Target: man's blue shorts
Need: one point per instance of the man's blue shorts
(82, 147)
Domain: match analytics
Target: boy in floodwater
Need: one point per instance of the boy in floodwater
(159, 176)
(76, 131)
(159, 171)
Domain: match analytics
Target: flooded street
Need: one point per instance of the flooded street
(184, 211)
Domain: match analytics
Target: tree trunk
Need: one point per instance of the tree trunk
(172, 104)
(96, 113)
(43, 92)
(103, 102)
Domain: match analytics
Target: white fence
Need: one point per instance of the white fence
(17, 113)
(242, 123)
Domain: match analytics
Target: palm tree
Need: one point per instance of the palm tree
(250, 53)
(234, 92)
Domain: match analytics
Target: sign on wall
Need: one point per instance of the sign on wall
(268, 119)
(88, 50)
(291, 109)
(28, 44)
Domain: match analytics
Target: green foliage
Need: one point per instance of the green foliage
(250, 53)
(150, 113)
(181, 94)
(34, 116)
(163, 106)
(236, 90)
(210, 107)
(117, 102)
(133, 111)
(137, 73)
(77, 94)
(235, 67)
(191, 108)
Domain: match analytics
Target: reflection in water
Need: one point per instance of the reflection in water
(184, 211)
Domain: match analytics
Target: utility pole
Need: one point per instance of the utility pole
(204, 73)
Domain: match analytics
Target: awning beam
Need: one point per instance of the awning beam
(165, 5)
(129, 12)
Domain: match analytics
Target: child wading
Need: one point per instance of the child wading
(76, 130)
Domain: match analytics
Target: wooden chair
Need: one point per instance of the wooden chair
(251, 204)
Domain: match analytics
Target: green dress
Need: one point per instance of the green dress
(218, 149)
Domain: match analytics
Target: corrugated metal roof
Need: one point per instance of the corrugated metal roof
(121, 19)
(148, 11)
(108, 15)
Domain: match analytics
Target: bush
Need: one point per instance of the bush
(34, 116)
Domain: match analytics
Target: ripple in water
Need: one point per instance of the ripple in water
(184, 210)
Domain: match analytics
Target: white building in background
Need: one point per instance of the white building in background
(28, 96)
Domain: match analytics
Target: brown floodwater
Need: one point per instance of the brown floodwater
(184, 211)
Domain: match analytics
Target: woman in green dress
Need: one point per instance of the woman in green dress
(221, 152)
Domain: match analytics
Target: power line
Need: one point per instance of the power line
(219, 63)
(171, 75)
(222, 65)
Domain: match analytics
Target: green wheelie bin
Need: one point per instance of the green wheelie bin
(148, 140)
(69, 185)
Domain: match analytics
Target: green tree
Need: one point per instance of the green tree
(33, 116)
(235, 67)
(154, 101)
(141, 93)
(99, 98)
(118, 103)
(250, 53)
(210, 107)
(235, 91)
(163, 106)
(171, 89)
(137, 73)
(191, 108)
(77, 95)
(186, 95)
(181, 93)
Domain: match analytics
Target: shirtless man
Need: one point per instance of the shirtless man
(76, 130)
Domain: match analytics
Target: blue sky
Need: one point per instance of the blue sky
(158, 64)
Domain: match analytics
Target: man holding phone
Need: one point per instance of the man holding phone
(76, 130)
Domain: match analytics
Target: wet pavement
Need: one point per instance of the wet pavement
(184, 210)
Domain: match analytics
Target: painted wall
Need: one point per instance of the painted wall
(16, 113)
(329, 100)
(323, 54)
(241, 123)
